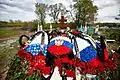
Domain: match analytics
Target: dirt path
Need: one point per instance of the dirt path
(8, 49)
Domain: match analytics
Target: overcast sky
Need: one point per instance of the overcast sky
(24, 9)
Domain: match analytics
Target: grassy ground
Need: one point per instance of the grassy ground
(7, 33)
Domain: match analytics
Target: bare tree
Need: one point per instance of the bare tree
(55, 10)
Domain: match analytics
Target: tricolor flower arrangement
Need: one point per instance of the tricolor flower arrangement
(40, 61)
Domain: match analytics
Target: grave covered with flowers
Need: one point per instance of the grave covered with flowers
(62, 55)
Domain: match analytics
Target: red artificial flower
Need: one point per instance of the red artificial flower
(38, 62)
(111, 64)
(41, 72)
(100, 68)
(67, 60)
(70, 73)
(34, 64)
(89, 70)
(21, 53)
(28, 56)
(39, 57)
(46, 70)
(106, 56)
(59, 50)
(81, 64)
(58, 62)
(94, 62)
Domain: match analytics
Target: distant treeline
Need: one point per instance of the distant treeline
(32, 25)
(108, 24)
(112, 34)
(18, 23)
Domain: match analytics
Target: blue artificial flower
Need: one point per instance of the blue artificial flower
(88, 54)
(34, 49)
